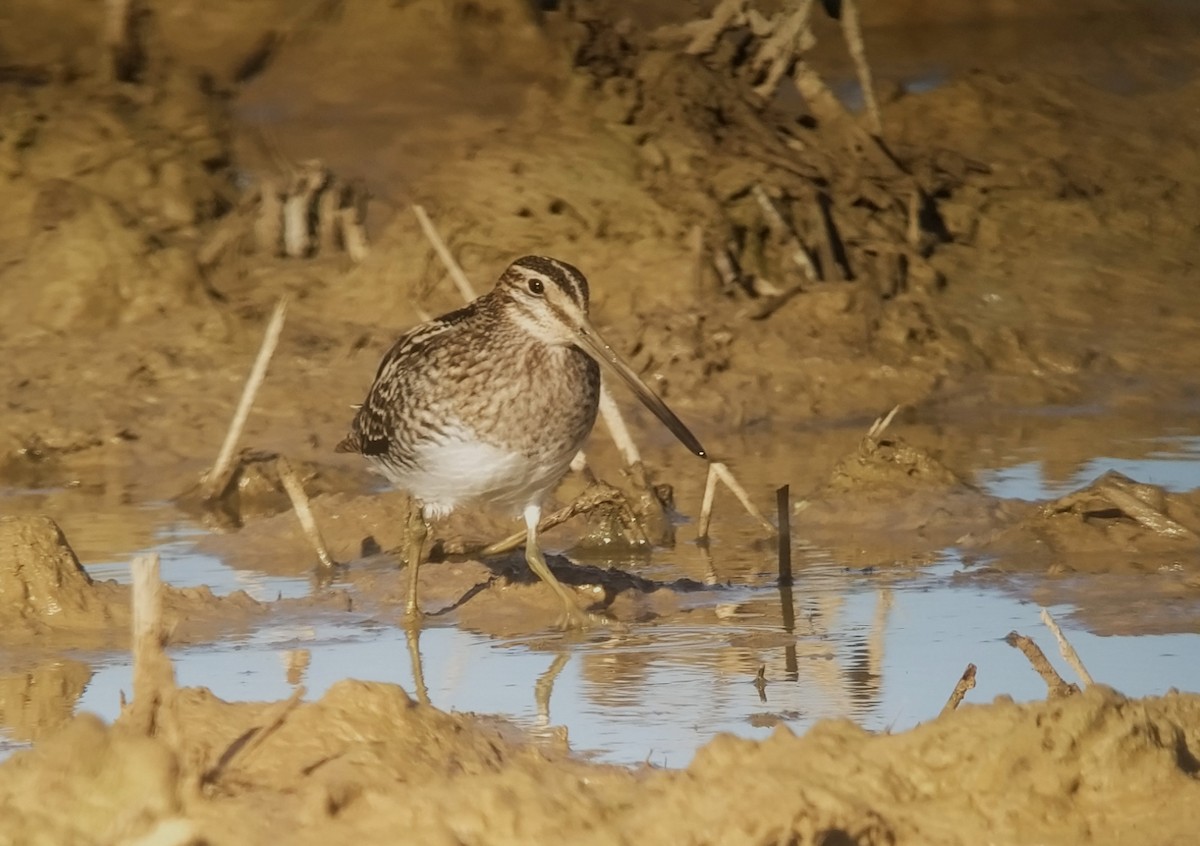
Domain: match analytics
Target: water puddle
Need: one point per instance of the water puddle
(882, 647)
(880, 651)
(1171, 462)
(183, 566)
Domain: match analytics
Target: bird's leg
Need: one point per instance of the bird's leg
(537, 563)
(415, 533)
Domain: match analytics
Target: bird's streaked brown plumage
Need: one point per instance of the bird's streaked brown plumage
(489, 403)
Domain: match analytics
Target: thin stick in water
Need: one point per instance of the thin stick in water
(1054, 682)
(153, 674)
(295, 491)
(783, 507)
(1067, 650)
(966, 683)
(706, 506)
(734, 485)
(218, 477)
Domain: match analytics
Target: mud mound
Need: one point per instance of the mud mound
(890, 499)
(1114, 523)
(116, 786)
(105, 188)
(41, 580)
(46, 596)
(365, 761)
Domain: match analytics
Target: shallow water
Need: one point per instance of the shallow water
(881, 652)
(882, 646)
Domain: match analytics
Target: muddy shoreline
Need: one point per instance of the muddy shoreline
(1008, 265)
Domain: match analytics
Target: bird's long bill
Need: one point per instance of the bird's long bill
(595, 346)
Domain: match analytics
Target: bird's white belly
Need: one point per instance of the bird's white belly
(452, 473)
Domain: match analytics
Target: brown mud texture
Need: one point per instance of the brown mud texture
(1019, 232)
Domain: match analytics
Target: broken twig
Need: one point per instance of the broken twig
(1054, 682)
(1067, 650)
(966, 683)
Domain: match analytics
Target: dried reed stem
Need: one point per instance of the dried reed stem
(617, 430)
(852, 30)
(726, 14)
(881, 423)
(1054, 682)
(218, 477)
(706, 505)
(448, 261)
(967, 682)
(244, 750)
(723, 473)
(153, 674)
(784, 229)
(1067, 650)
(300, 504)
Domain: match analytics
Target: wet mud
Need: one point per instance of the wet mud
(1007, 268)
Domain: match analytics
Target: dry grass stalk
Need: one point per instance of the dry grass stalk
(789, 37)
(244, 747)
(309, 178)
(300, 504)
(881, 423)
(966, 683)
(725, 475)
(852, 31)
(784, 229)
(727, 13)
(1068, 651)
(706, 505)
(461, 282)
(349, 224)
(218, 477)
(717, 471)
(1054, 682)
(617, 430)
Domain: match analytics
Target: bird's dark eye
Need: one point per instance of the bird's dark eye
(536, 287)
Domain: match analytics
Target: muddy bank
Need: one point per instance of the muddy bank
(1044, 273)
(366, 761)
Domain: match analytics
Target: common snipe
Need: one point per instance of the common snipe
(488, 404)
